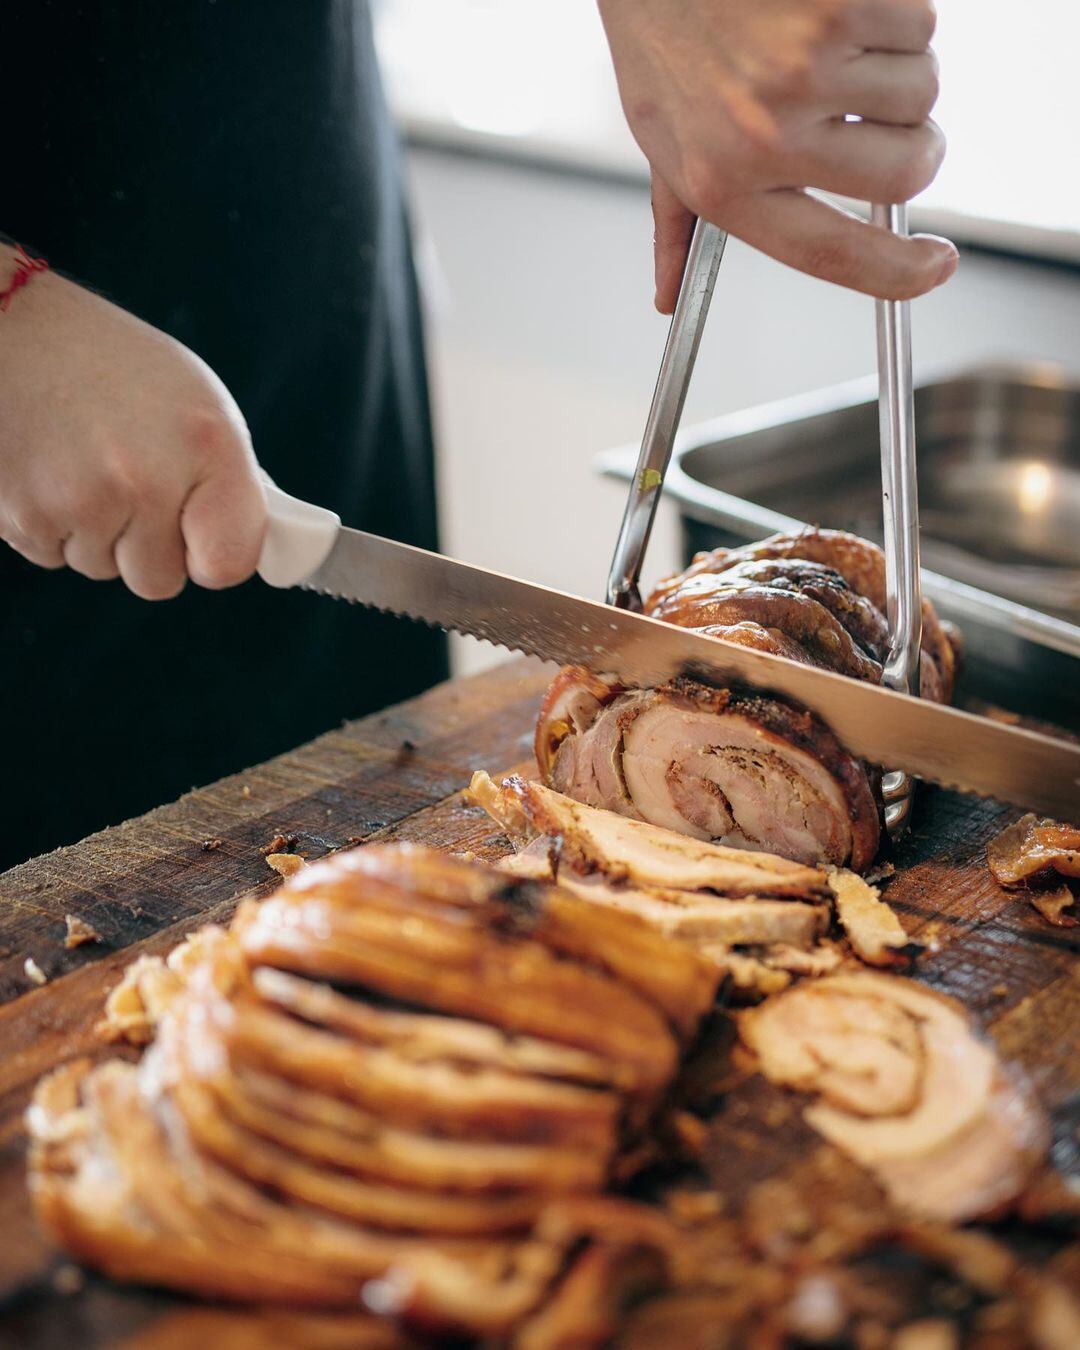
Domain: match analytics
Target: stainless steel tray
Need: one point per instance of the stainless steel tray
(999, 478)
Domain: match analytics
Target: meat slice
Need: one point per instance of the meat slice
(425, 1038)
(684, 914)
(461, 940)
(643, 854)
(905, 1087)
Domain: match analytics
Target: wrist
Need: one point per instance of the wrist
(20, 267)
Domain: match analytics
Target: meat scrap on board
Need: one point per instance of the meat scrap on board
(1041, 859)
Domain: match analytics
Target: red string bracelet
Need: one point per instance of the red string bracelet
(25, 267)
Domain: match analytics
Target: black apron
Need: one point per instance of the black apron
(224, 169)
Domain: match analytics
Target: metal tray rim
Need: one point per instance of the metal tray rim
(713, 506)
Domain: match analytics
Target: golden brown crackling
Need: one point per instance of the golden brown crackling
(862, 566)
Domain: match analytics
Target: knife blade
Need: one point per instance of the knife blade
(944, 745)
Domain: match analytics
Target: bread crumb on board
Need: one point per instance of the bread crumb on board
(67, 1280)
(78, 932)
(33, 972)
(281, 843)
(286, 864)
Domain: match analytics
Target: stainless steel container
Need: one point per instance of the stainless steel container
(999, 479)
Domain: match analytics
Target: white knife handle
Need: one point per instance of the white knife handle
(299, 536)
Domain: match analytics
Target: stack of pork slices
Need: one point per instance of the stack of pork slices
(402, 1081)
(732, 766)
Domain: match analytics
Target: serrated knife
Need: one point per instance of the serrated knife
(308, 546)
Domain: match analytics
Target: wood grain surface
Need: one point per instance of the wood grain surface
(397, 775)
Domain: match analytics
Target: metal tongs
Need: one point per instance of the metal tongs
(899, 490)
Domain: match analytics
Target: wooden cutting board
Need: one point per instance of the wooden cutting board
(397, 775)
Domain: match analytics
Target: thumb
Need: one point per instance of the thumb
(673, 225)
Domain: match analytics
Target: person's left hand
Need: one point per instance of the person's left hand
(742, 105)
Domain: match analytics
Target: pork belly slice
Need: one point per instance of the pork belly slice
(876, 934)
(426, 1037)
(664, 973)
(593, 839)
(440, 1098)
(327, 1129)
(116, 1195)
(688, 914)
(571, 704)
(905, 1087)
(736, 769)
(126, 1194)
(376, 936)
(338, 1190)
(225, 1104)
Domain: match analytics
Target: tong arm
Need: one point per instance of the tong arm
(676, 367)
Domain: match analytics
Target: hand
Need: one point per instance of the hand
(740, 106)
(121, 453)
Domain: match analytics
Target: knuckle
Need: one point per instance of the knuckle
(210, 434)
(704, 188)
(791, 74)
(914, 173)
(133, 476)
(929, 89)
(90, 557)
(87, 502)
(28, 525)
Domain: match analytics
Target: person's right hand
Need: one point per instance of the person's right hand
(121, 453)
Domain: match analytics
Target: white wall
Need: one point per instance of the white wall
(545, 347)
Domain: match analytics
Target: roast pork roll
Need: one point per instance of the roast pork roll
(741, 769)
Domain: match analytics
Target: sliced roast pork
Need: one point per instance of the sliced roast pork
(758, 918)
(402, 1082)
(745, 771)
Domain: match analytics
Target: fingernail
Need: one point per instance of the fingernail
(949, 266)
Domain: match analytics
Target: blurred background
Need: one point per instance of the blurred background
(532, 215)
